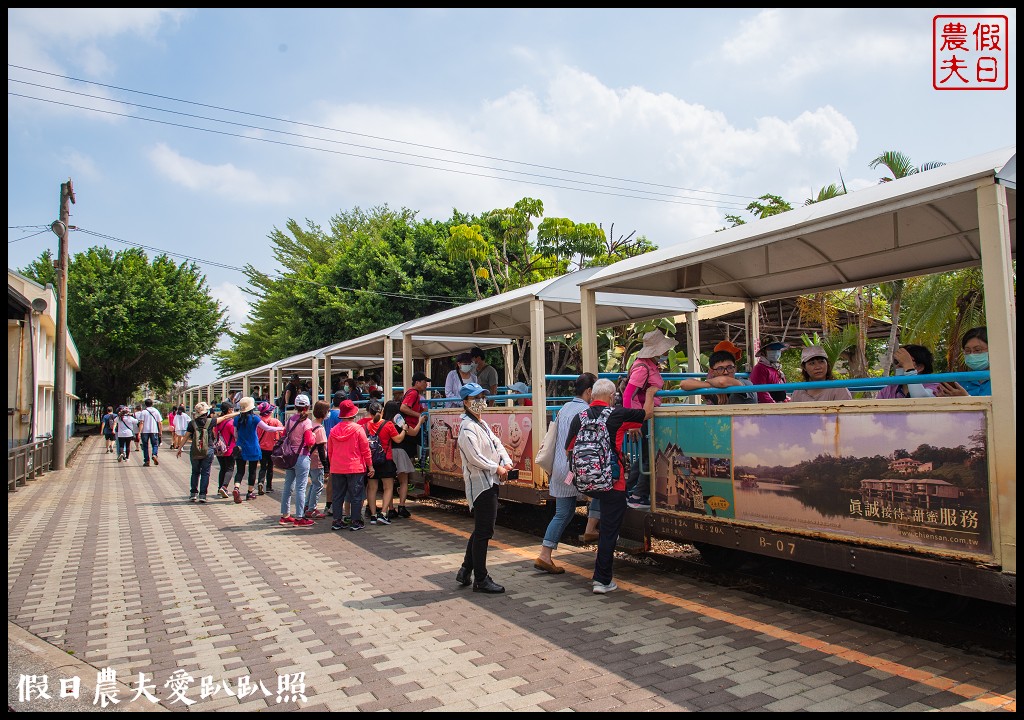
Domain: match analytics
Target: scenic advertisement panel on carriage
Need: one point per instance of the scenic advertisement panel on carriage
(895, 474)
(513, 426)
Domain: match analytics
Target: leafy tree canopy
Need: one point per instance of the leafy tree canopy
(134, 321)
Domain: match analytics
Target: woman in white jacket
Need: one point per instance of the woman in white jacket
(485, 463)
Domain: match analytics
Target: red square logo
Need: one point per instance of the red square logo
(970, 52)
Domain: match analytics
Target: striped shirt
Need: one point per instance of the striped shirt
(560, 467)
(482, 455)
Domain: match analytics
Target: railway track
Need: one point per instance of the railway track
(971, 625)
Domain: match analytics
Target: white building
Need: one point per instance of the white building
(31, 341)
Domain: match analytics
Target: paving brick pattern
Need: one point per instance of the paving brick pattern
(110, 562)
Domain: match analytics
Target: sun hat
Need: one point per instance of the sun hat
(246, 404)
(655, 345)
(520, 388)
(471, 390)
(302, 401)
(772, 346)
(202, 408)
(347, 409)
(265, 408)
(730, 348)
(811, 352)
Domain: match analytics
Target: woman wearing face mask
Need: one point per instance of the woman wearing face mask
(485, 463)
(768, 371)
(464, 372)
(910, 360)
(975, 347)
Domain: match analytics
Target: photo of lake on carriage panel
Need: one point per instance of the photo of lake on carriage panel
(920, 479)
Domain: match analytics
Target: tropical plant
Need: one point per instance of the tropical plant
(835, 345)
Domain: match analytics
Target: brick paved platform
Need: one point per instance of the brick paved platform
(110, 562)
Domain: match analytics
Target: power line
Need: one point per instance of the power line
(279, 276)
(368, 157)
(11, 242)
(724, 204)
(372, 137)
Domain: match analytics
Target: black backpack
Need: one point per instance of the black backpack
(377, 452)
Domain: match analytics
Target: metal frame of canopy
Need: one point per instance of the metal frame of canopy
(535, 312)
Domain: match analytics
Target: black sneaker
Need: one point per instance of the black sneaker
(369, 513)
(373, 519)
(392, 514)
(337, 526)
(193, 497)
(402, 512)
(202, 498)
(356, 526)
(381, 519)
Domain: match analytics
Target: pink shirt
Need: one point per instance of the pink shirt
(319, 436)
(642, 375)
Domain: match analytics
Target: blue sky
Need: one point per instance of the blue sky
(674, 118)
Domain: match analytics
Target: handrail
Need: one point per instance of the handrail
(27, 462)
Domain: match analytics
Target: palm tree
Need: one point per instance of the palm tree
(900, 166)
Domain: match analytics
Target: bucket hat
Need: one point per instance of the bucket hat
(655, 345)
(246, 404)
(347, 409)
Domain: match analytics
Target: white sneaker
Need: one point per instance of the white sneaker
(120, 457)
(601, 589)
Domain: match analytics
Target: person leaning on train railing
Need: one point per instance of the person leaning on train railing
(722, 373)
(975, 347)
(815, 367)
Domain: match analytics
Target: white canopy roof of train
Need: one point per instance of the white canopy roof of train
(921, 224)
(508, 314)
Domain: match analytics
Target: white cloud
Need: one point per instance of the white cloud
(242, 186)
(233, 299)
(788, 45)
(745, 428)
(781, 454)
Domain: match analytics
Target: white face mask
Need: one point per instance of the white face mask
(465, 368)
(477, 406)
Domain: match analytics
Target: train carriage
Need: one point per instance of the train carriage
(718, 473)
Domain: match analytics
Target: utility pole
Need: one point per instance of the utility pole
(60, 369)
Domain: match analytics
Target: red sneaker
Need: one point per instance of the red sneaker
(315, 514)
(289, 520)
(236, 495)
(303, 522)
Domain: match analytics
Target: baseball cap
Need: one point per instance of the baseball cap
(471, 390)
(302, 401)
(416, 377)
(814, 351)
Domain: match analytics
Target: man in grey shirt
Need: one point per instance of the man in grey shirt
(723, 365)
(486, 375)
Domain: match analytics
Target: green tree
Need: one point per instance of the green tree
(765, 206)
(372, 269)
(134, 321)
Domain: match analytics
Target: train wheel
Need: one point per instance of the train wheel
(720, 557)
